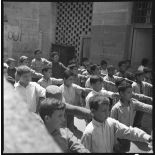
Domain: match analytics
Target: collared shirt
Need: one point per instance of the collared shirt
(103, 92)
(146, 88)
(51, 81)
(30, 94)
(126, 114)
(100, 137)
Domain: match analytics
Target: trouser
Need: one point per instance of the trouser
(138, 119)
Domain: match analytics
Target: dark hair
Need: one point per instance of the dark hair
(36, 51)
(95, 78)
(53, 54)
(22, 70)
(49, 105)
(96, 100)
(121, 63)
(67, 74)
(144, 61)
(110, 67)
(103, 62)
(72, 66)
(45, 69)
(9, 60)
(93, 67)
(84, 59)
(22, 58)
(123, 86)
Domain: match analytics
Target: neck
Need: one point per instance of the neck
(98, 120)
(23, 84)
(125, 102)
(96, 90)
(111, 76)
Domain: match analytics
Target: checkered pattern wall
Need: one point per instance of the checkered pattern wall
(73, 20)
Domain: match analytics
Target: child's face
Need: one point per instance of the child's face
(104, 66)
(26, 62)
(127, 94)
(103, 111)
(68, 82)
(56, 119)
(48, 74)
(111, 72)
(97, 71)
(75, 70)
(140, 77)
(97, 86)
(12, 64)
(38, 55)
(25, 78)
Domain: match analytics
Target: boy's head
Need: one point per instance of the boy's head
(111, 70)
(68, 78)
(47, 72)
(122, 66)
(85, 62)
(23, 60)
(125, 91)
(94, 69)
(99, 106)
(96, 82)
(24, 73)
(73, 68)
(147, 72)
(139, 76)
(38, 54)
(52, 113)
(103, 64)
(11, 62)
(55, 56)
(144, 62)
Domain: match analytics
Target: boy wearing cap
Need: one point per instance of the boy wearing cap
(52, 112)
(99, 135)
(47, 80)
(38, 63)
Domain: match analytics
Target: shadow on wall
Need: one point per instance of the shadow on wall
(23, 133)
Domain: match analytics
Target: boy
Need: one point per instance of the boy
(99, 135)
(11, 67)
(23, 60)
(52, 113)
(31, 92)
(69, 91)
(47, 80)
(97, 86)
(103, 67)
(57, 67)
(38, 63)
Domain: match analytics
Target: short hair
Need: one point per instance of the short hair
(110, 67)
(49, 105)
(84, 59)
(9, 60)
(36, 51)
(93, 67)
(123, 86)
(96, 99)
(45, 69)
(103, 62)
(23, 70)
(71, 66)
(22, 58)
(67, 73)
(121, 63)
(95, 78)
(144, 61)
(53, 54)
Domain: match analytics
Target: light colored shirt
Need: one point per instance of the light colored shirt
(146, 88)
(51, 81)
(30, 94)
(87, 84)
(140, 68)
(101, 137)
(69, 93)
(92, 93)
(126, 114)
(104, 72)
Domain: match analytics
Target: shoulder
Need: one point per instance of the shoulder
(111, 121)
(116, 106)
(89, 129)
(41, 80)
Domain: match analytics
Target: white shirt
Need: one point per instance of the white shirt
(30, 94)
(140, 68)
(92, 93)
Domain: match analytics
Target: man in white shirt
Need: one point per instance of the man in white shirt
(31, 92)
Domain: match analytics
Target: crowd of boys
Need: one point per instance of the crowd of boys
(111, 101)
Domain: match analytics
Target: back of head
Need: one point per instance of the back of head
(95, 78)
(23, 70)
(67, 74)
(93, 67)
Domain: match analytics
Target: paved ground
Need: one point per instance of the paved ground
(136, 147)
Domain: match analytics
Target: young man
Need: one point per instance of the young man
(47, 80)
(97, 86)
(57, 67)
(99, 135)
(23, 60)
(11, 67)
(69, 91)
(31, 92)
(104, 67)
(52, 112)
(38, 63)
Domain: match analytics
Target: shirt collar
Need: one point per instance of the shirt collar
(122, 105)
(96, 123)
(19, 85)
